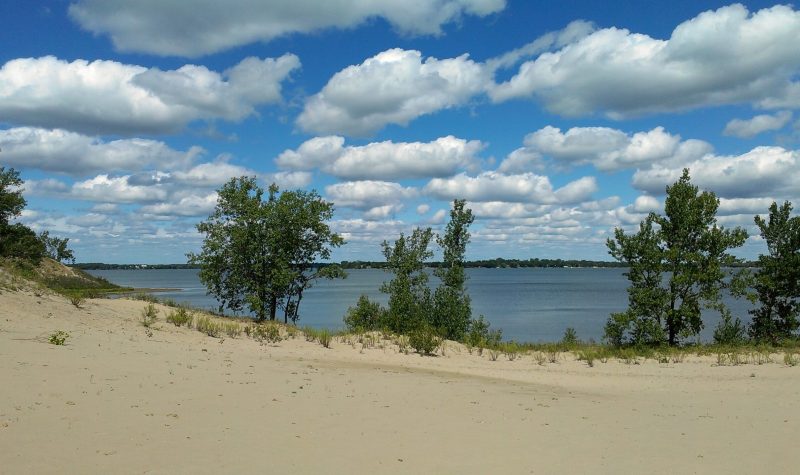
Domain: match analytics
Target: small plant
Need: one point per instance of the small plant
(402, 344)
(324, 337)
(512, 350)
(570, 338)
(58, 338)
(77, 300)
(291, 332)
(266, 333)
(790, 358)
(310, 334)
(180, 317)
(494, 354)
(208, 326)
(149, 315)
(424, 340)
(588, 356)
(540, 358)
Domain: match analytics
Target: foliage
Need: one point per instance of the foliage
(729, 330)
(11, 200)
(179, 317)
(777, 282)
(258, 254)
(264, 332)
(149, 315)
(424, 339)
(77, 299)
(58, 338)
(324, 337)
(56, 248)
(20, 241)
(205, 324)
(570, 338)
(452, 309)
(410, 302)
(675, 270)
(365, 316)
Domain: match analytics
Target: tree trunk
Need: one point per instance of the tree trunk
(273, 307)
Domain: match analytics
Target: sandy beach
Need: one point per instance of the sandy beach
(115, 400)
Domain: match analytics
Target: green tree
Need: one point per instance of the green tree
(777, 282)
(410, 304)
(56, 248)
(258, 253)
(452, 309)
(11, 200)
(675, 270)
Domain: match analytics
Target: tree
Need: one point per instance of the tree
(777, 282)
(11, 200)
(675, 270)
(258, 254)
(56, 248)
(452, 310)
(409, 295)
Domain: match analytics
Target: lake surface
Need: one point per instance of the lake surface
(530, 304)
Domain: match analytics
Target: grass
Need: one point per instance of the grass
(180, 317)
(149, 315)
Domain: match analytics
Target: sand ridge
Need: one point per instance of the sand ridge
(115, 400)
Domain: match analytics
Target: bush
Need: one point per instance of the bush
(149, 315)
(232, 329)
(424, 340)
(58, 338)
(730, 331)
(208, 326)
(479, 335)
(265, 333)
(570, 338)
(77, 300)
(180, 317)
(366, 315)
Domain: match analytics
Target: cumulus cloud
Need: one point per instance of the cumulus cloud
(192, 205)
(393, 87)
(368, 194)
(108, 97)
(69, 152)
(723, 56)
(176, 27)
(606, 148)
(761, 123)
(763, 171)
(382, 160)
(522, 188)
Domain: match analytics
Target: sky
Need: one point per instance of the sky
(556, 121)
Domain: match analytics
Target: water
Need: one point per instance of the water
(529, 304)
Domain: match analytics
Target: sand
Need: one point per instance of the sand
(115, 400)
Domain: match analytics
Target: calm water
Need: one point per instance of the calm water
(528, 304)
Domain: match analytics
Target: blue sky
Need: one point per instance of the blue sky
(557, 121)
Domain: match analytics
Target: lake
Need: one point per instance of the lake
(529, 304)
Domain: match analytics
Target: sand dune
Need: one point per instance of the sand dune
(115, 400)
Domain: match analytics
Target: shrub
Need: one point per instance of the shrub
(540, 358)
(266, 333)
(730, 331)
(424, 340)
(149, 315)
(366, 315)
(588, 356)
(208, 326)
(790, 358)
(512, 350)
(570, 338)
(180, 317)
(58, 338)
(232, 329)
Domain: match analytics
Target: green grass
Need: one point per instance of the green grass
(58, 338)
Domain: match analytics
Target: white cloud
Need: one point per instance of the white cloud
(761, 123)
(192, 205)
(522, 188)
(724, 56)
(393, 87)
(423, 209)
(606, 148)
(177, 27)
(763, 171)
(369, 194)
(69, 152)
(382, 160)
(108, 97)
(108, 189)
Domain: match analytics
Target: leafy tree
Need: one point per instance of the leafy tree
(410, 302)
(258, 254)
(20, 241)
(453, 312)
(56, 248)
(11, 200)
(777, 282)
(365, 316)
(675, 270)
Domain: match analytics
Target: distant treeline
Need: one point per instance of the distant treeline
(103, 266)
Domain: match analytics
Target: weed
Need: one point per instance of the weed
(232, 329)
(539, 357)
(588, 356)
(77, 300)
(180, 317)
(208, 326)
(291, 331)
(511, 350)
(790, 358)
(310, 334)
(324, 336)
(402, 343)
(149, 315)
(494, 354)
(424, 340)
(58, 338)
(266, 333)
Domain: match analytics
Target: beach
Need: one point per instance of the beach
(120, 398)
